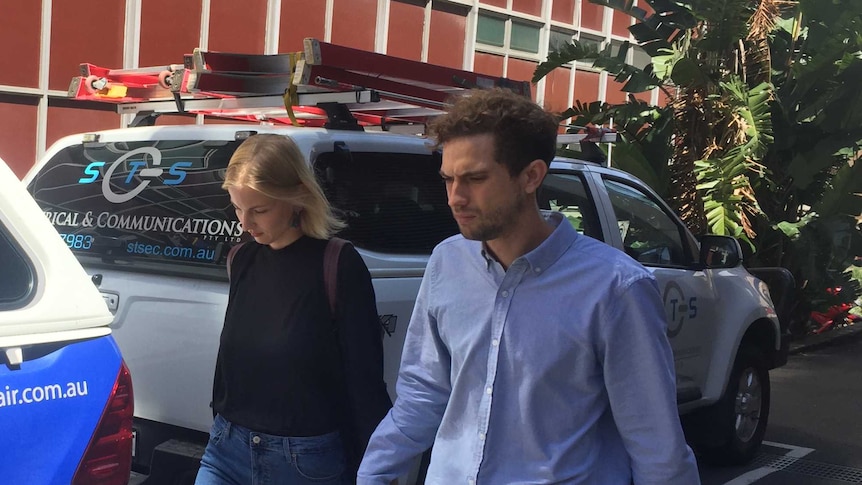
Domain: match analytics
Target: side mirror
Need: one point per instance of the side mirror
(719, 252)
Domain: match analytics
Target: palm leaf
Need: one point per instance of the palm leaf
(635, 79)
(725, 22)
(845, 194)
(564, 54)
(724, 179)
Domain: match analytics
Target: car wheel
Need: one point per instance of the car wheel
(732, 430)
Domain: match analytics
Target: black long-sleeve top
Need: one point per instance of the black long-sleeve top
(284, 366)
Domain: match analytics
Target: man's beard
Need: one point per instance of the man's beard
(497, 222)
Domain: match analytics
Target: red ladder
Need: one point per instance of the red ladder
(301, 87)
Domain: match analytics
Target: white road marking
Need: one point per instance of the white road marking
(795, 453)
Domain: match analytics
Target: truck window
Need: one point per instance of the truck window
(391, 202)
(649, 234)
(17, 282)
(567, 193)
(140, 204)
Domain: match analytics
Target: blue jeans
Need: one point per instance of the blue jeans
(240, 456)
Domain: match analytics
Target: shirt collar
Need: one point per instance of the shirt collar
(550, 250)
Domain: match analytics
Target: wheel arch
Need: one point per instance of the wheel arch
(763, 333)
(730, 431)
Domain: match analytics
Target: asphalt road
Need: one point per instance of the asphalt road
(815, 427)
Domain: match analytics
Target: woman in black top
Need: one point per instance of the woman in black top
(297, 390)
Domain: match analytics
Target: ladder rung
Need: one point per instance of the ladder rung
(240, 105)
(566, 138)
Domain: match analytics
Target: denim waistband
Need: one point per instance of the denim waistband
(293, 444)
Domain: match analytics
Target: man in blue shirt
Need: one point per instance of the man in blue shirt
(534, 354)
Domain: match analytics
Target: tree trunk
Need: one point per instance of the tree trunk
(689, 143)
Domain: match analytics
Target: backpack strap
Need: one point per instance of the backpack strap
(330, 270)
(230, 255)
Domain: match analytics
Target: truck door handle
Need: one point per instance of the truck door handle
(112, 300)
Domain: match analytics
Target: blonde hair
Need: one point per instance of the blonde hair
(273, 165)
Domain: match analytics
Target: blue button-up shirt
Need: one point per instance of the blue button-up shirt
(556, 370)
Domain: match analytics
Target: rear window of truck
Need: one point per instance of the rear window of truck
(391, 202)
(141, 202)
(159, 205)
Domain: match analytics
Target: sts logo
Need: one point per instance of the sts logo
(177, 170)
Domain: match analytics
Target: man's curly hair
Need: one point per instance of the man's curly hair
(522, 130)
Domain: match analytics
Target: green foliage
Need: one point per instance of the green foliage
(792, 229)
(643, 148)
(686, 72)
(566, 53)
(814, 163)
(635, 80)
(765, 113)
(842, 196)
(724, 180)
(728, 21)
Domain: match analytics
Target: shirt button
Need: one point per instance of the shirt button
(256, 440)
(495, 342)
(471, 481)
(505, 293)
(538, 270)
(481, 436)
(488, 390)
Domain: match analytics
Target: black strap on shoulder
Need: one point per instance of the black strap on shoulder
(230, 255)
(330, 270)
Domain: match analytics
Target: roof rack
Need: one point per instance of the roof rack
(588, 143)
(322, 85)
(593, 134)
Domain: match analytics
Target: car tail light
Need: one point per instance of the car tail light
(108, 458)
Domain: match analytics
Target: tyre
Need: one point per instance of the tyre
(730, 431)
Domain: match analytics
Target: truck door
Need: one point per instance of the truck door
(651, 234)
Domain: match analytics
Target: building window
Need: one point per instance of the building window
(498, 32)
(558, 39)
(525, 38)
(616, 45)
(591, 41)
(640, 58)
(491, 31)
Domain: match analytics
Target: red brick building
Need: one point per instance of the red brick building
(43, 41)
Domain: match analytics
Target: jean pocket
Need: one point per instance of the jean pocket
(219, 429)
(318, 458)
